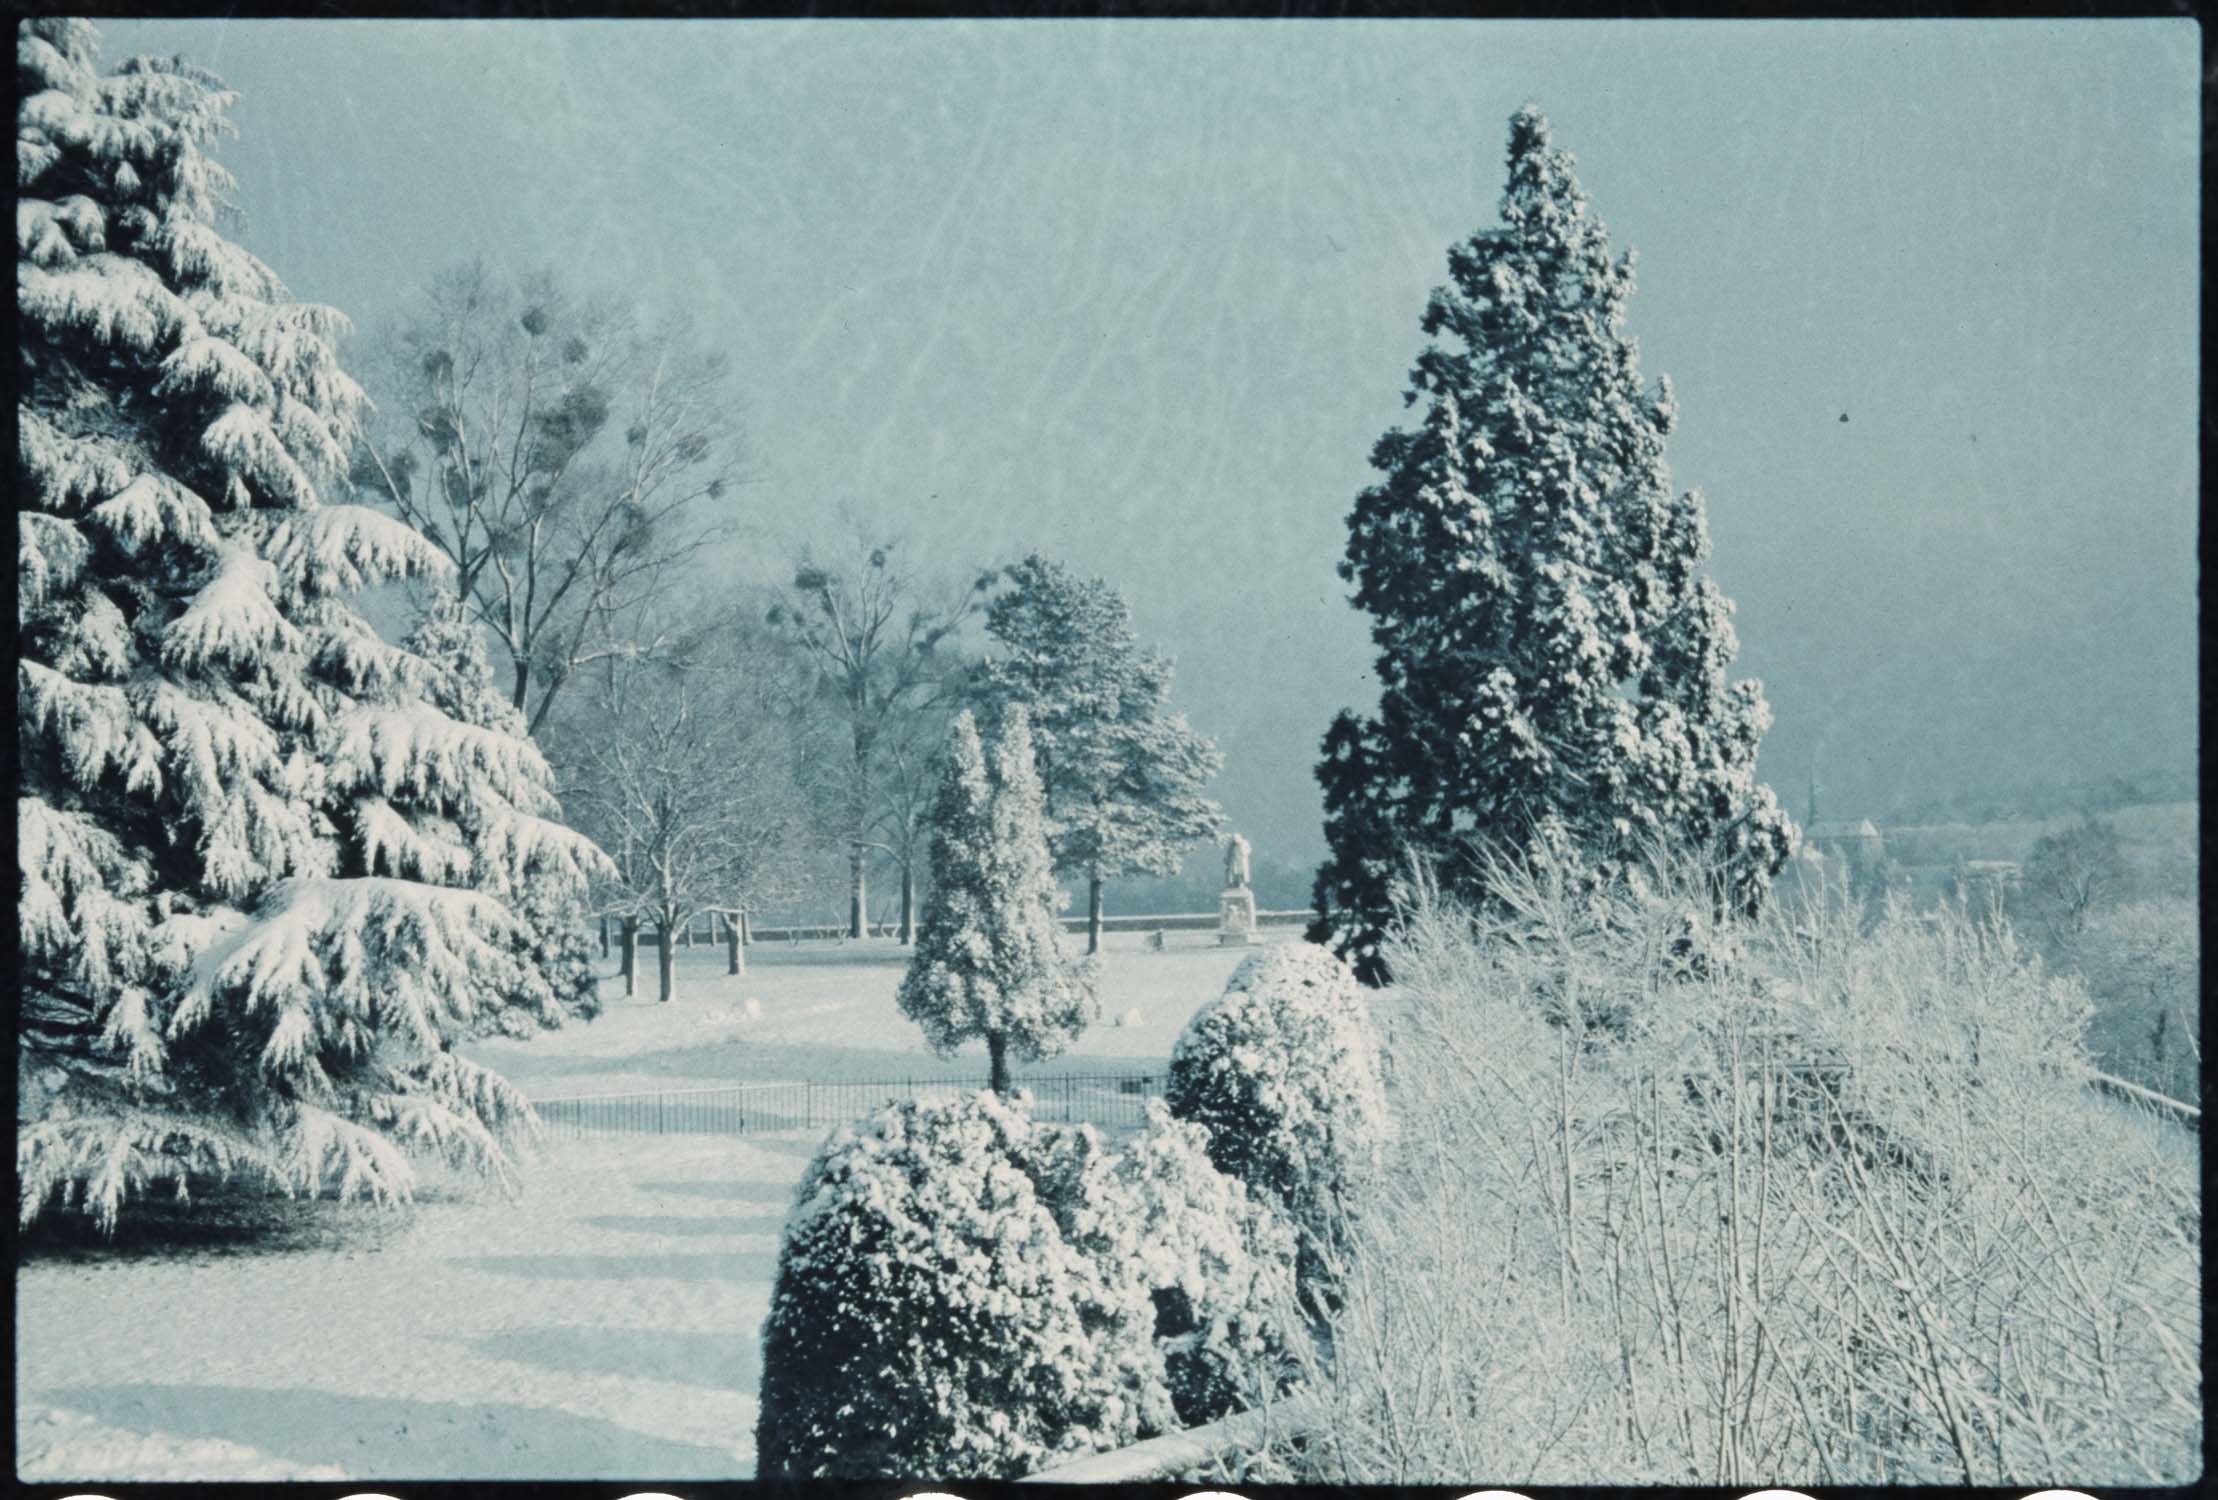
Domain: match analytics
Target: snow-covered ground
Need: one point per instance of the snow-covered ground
(604, 1323)
(827, 1014)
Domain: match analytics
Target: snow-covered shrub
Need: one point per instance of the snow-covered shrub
(964, 1293)
(929, 1318)
(1283, 1072)
(1217, 1263)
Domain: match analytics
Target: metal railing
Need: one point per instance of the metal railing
(759, 1108)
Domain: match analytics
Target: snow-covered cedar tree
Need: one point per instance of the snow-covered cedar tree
(539, 885)
(1123, 774)
(1552, 660)
(1217, 1263)
(929, 1320)
(989, 962)
(1283, 1071)
(249, 929)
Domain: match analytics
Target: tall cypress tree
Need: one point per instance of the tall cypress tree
(989, 962)
(1552, 661)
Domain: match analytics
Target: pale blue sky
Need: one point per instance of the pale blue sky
(1141, 295)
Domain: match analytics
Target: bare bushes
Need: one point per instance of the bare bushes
(1782, 1204)
(2142, 962)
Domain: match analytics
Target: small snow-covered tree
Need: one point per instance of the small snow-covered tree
(1552, 661)
(1283, 1071)
(1123, 774)
(541, 887)
(989, 963)
(249, 929)
(928, 1318)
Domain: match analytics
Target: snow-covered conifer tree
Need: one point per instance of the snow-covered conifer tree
(989, 961)
(539, 884)
(249, 933)
(1552, 661)
(1123, 774)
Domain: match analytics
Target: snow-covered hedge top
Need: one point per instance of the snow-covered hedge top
(963, 1293)
(1218, 1263)
(1283, 1071)
(930, 1319)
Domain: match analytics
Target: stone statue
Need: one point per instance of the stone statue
(1236, 864)
(1236, 921)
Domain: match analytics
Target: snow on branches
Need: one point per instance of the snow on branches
(988, 963)
(255, 915)
(966, 1293)
(1552, 663)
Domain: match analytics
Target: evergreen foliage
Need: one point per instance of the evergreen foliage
(543, 890)
(250, 846)
(965, 1294)
(1283, 1071)
(1552, 661)
(1123, 774)
(1217, 1262)
(988, 963)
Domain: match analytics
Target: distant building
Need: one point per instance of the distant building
(1857, 844)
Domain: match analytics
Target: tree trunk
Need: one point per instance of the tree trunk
(523, 684)
(746, 927)
(604, 934)
(1093, 913)
(686, 937)
(631, 957)
(908, 904)
(666, 953)
(855, 893)
(997, 1057)
(737, 959)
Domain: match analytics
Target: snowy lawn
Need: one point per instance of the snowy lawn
(605, 1323)
(827, 1013)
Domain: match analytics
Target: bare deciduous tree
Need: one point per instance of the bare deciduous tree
(561, 455)
(682, 769)
(2068, 874)
(882, 645)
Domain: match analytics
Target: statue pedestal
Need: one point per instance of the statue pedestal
(1236, 918)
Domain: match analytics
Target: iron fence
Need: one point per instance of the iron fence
(758, 1108)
